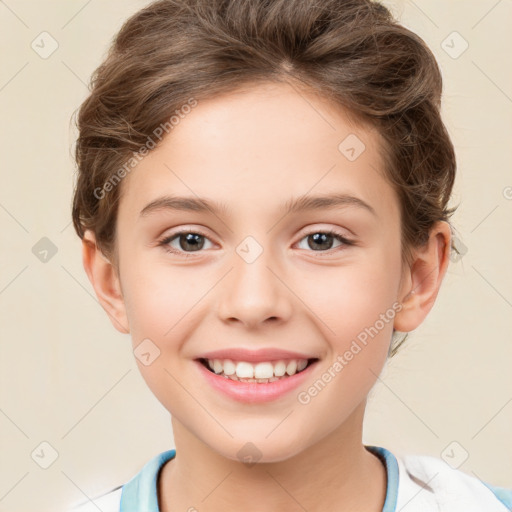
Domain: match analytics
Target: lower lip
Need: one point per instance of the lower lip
(254, 392)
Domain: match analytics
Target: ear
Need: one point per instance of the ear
(105, 281)
(422, 279)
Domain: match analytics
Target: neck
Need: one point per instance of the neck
(337, 473)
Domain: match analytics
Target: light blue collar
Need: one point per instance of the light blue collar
(391, 465)
(140, 493)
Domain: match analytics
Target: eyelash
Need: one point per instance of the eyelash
(166, 240)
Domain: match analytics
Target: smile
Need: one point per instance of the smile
(250, 382)
(261, 372)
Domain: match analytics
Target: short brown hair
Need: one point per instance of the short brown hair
(352, 52)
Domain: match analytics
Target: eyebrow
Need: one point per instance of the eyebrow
(294, 205)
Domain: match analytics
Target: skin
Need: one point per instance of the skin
(254, 150)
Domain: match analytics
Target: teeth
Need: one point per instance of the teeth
(279, 368)
(263, 371)
(229, 367)
(244, 370)
(301, 365)
(291, 368)
(259, 372)
(217, 366)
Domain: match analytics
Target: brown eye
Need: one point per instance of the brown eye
(322, 241)
(190, 241)
(184, 242)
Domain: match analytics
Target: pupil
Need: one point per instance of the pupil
(191, 239)
(319, 238)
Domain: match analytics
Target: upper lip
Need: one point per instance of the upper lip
(254, 356)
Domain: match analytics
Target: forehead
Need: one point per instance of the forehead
(257, 148)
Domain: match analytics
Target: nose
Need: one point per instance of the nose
(255, 293)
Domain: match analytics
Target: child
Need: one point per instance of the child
(298, 148)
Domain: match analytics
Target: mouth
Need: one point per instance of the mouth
(262, 372)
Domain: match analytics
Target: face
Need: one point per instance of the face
(320, 283)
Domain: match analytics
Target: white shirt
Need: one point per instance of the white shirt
(414, 484)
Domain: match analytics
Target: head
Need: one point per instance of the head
(254, 106)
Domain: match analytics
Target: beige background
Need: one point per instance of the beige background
(69, 379)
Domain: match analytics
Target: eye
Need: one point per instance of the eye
(186, 241)
(322, 241)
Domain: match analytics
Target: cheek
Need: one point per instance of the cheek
(357, 323)
(349, 299)
(160, 306)
(356, 304)
(159, 299)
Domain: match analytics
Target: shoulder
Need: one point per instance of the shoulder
(139, 494)
(109, 502)
(431, 481)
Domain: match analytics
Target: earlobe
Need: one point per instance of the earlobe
(424, 278)
(105, 281)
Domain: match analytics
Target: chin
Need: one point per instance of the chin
(260, 451)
